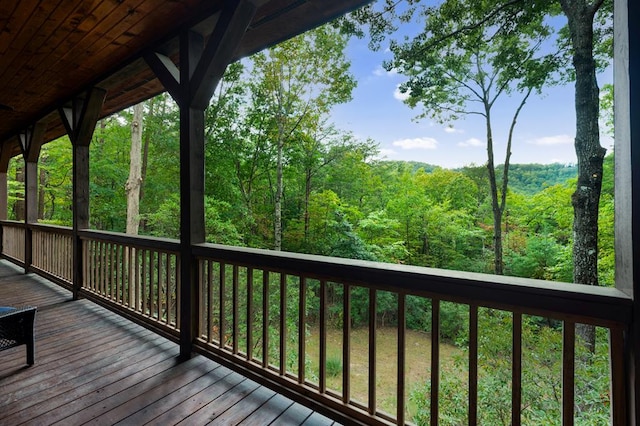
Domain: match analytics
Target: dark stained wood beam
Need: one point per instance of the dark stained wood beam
(80, 117)
(627, 196)
(31, 140)
(219, 52)
(166, 71)
(6, 153)
(192, 84)
(80, 120)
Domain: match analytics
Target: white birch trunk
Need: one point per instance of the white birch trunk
(134, 182)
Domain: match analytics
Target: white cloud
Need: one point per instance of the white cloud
(381, 72)
(451, 129)
(399, 95)
(386, 152)
(475, 142)
(416, 143)
(552, 140)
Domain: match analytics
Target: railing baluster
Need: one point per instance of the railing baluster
(222, 298)
(618, 377)
(346, 344)
(203, 292)
(97, 264)
(210, 300)
(234, 305)
(117, 274)
(283, 324)
(170, 293)
(112, 249)
(100, 286)
(402, 346)
(126, 275)
(473, 365)
(250, 314)
(568, 371)
(136, 280)
(435, 360)
(265, 319)
(161, 257)
(516, 375)
(177, 280)
(152, 283)
(323, 337)
(302, 329)
(372, 350)
(145, 281)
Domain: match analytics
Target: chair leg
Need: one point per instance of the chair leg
(31, 352)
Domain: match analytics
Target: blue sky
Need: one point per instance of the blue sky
(544, 133)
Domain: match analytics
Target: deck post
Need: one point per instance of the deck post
(4, 192)
(79, 118)
(5, 157)
(191, 85)
(627, 189)
(31, 141)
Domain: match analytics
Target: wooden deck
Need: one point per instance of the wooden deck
(95, 367)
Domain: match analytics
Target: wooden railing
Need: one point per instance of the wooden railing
(262, 311)
(13, 240)
(52, 252)
(138, 276)
(283, 319)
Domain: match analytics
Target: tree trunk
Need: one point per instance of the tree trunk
(145, 147)
(495, 204)
(307, 196)
(277, 223)
(590, 154)
(134, 182)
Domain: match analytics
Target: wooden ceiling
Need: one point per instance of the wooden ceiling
(53, 50)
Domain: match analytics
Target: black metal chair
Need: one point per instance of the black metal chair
(17, 328)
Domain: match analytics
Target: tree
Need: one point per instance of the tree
(581, 16)
(134, 182)
(296, 83)
(452, 74)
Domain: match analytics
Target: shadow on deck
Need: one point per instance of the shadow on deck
(95, 366)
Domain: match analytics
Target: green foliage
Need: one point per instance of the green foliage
(541, 378)
(334, 367)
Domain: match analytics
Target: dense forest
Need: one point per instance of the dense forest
(342, 202)
(280, 175)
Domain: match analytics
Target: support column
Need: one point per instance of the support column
(5, 157)
(80, 118)
(192, 85)
(31, 141)
(627, 184)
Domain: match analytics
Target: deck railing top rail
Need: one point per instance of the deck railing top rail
(145, 242)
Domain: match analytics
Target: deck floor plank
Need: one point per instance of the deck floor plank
(272, 410)
(96, 367)
(179, 396)
(245, 407)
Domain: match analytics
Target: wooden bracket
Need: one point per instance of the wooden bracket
(31, 140)
(80, 117)
(201, 67)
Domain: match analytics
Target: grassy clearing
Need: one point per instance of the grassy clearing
(417, 363)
